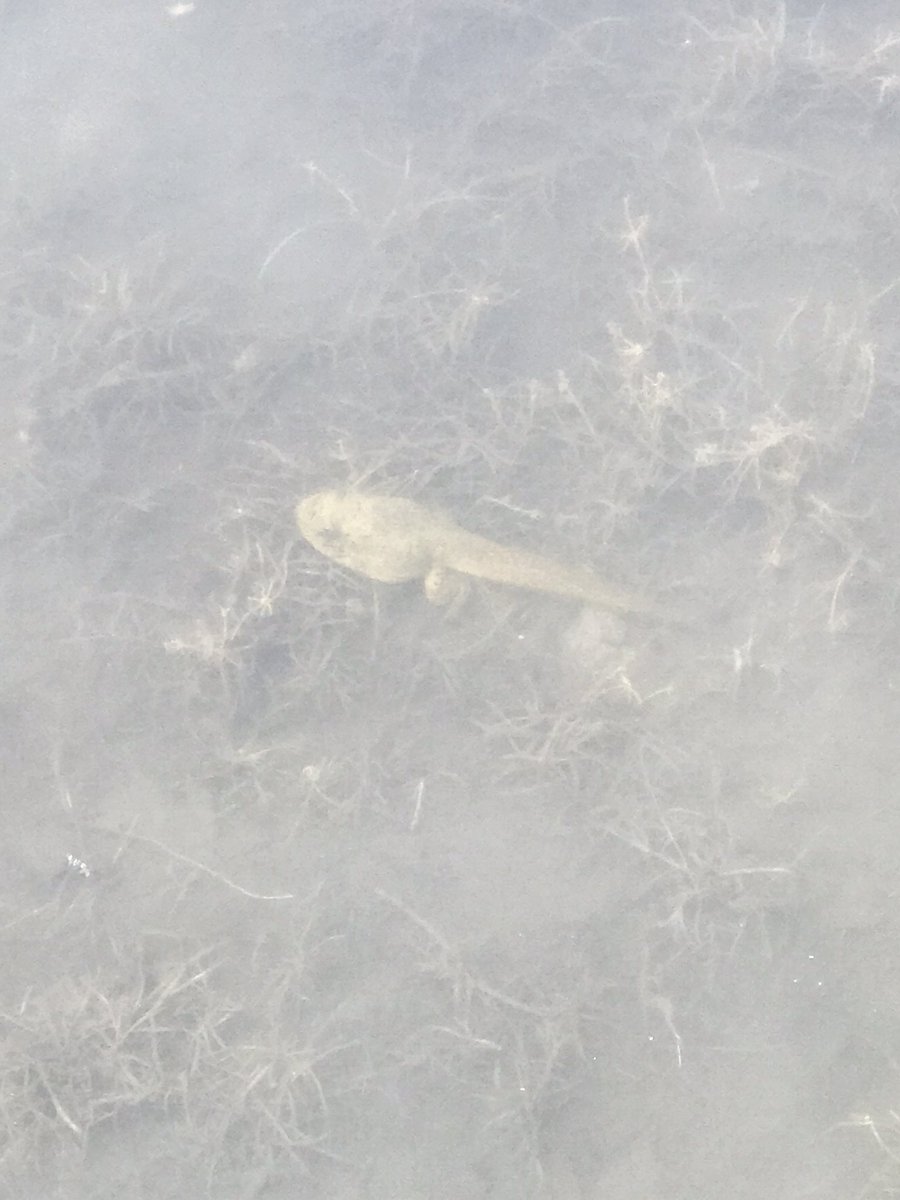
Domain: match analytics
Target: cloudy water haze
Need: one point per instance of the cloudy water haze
(450, 572)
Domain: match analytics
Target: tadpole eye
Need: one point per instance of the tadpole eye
(330, 538)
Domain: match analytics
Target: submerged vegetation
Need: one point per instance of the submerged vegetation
(314, 889)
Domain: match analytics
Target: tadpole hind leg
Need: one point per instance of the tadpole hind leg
(447, 588)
